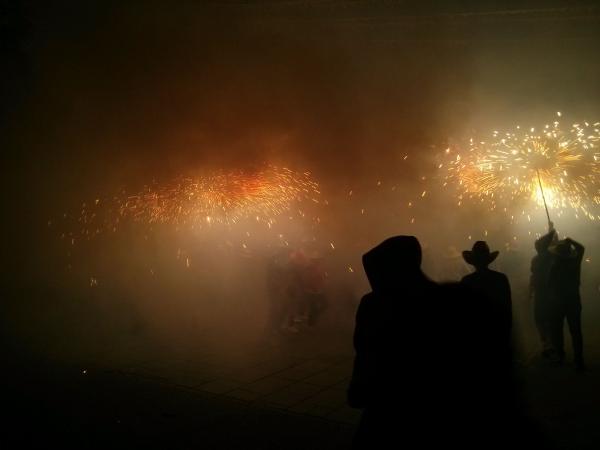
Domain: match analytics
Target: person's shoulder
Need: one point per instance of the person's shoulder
(452, 288)
(368, 307)
(467, 278)
(456, 298)
(499, 275)
(366, 302)
(367, 298)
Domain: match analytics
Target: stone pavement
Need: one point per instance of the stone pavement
(286, 392)
(277, 392)
(284, 377)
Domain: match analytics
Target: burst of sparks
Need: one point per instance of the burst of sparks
(205, 201)
(502, 171)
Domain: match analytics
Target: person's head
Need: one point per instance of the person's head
(394, 262)
(480, 255)
(562, 249)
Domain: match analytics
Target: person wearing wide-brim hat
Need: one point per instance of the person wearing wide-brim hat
(491, 286)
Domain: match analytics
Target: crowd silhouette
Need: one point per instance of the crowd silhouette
(433, 361)
(555, 280)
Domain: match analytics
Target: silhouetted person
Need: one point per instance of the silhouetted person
(299, 262)
(426, 370)
(278, 283)
(489, 284)
(313, 287)
(565, 277)
(539, 289)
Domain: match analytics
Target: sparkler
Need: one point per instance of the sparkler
(559, 168)
(543, 196)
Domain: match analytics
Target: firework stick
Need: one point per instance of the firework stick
(543, 196)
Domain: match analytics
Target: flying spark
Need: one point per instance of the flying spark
(507, 169)
(222, 198)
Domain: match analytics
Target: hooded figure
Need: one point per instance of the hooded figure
(539, 289)
(488, 284)
(419, 354)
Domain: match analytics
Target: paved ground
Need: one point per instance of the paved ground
(286, 392)
(280, 376)
(278, 392)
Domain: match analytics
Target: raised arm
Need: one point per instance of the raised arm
(542, 244)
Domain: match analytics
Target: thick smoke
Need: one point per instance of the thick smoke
(110, 99)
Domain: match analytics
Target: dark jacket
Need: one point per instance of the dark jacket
(494, 288)
(383, 338)
(540, 268)
(565, 276)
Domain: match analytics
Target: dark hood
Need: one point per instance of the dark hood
(394, 263)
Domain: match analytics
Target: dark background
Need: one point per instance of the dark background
(99, 96)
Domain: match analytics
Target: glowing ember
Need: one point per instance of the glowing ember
(206, 201)
(503, 171)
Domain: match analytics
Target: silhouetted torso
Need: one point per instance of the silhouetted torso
(540, 275)
(387, 338)
(493, 287)
(541, 264)
(565, 278)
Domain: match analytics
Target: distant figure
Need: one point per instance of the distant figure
(539, 289)
(489, 284)
(426, 368)
(313, 288)
(299, 263)
(278, 281)
(565, 276)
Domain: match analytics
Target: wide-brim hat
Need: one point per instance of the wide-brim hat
(480, 254)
